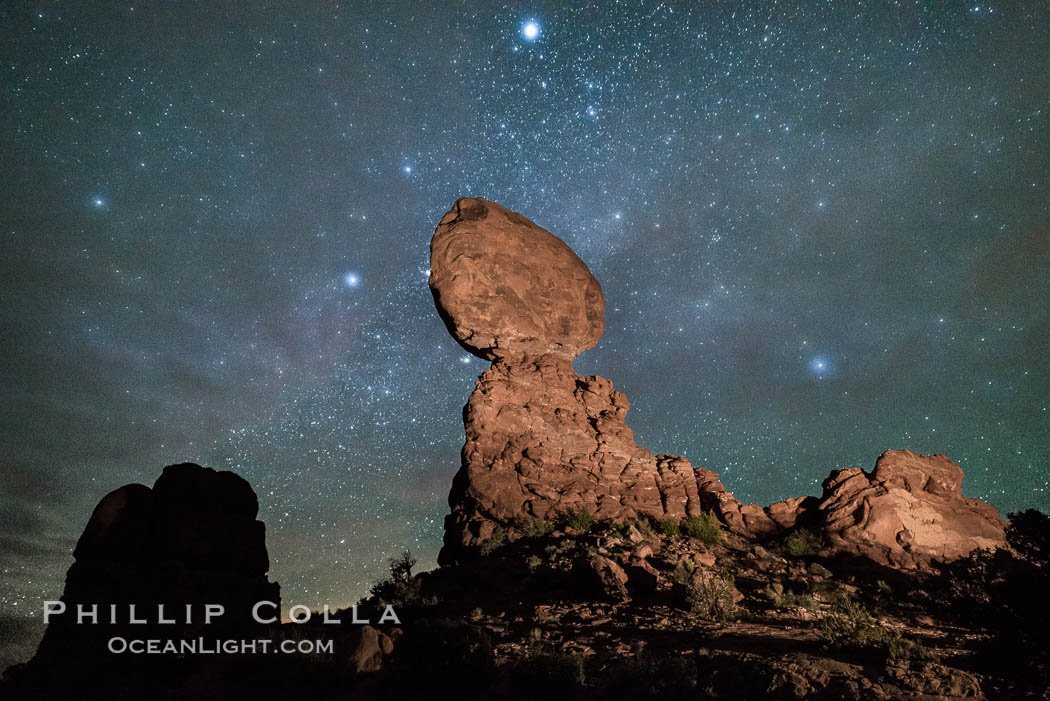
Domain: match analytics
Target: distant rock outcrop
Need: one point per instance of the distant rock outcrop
(191, 540)
(907, 511)
(543, 443)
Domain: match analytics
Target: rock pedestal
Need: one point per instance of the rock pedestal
(543, 442)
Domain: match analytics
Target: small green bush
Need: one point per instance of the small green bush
(802, 543)
(669, 526)
(782, 598)
(538, 528)
(850, 625)
(902, 649)
(496, 541)
(581, 521)
(549, 672)
(704, 528)
(705, 594)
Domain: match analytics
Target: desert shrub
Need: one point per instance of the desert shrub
(667, 678)
(669, 526)
(802, 542)
(683, 570)
(1029, 534)
(644, 525)
(705, 594)
(533, 563)
(850, 625)
(703, 527)
(538, 528)
(785, 598)
(581, 520)
(546, 672)
(400, 589)
(496, 541)
(903, 649)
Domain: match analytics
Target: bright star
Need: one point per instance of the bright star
(351, 280)
(820, 365)
(531, 31)
(97, 202)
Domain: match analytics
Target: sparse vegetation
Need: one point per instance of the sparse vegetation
(782, 598)
(581, 521)
(703, 527)
(496, 541)
(902, 649)
(545, 671)
(400, 589)
(802, 543)
(538, 528)
(437, 656)
(850, 625)
(655, 676)
(642, 524)
(669, 526)
(704, 593)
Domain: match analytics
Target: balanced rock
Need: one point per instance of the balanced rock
(543, 443)
(504, 286)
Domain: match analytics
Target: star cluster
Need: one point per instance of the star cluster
(822, 230)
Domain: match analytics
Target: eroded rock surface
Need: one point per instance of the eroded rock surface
(543, 443)
(503, 285)
(907, 511)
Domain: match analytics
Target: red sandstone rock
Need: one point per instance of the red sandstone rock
(910, 509)
(505, 286)
(543, 442)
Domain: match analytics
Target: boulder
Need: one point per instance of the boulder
(504, 286)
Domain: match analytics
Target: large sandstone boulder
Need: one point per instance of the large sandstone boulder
(909, 510)
(505, 286)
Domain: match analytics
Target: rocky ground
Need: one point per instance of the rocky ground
(628, 611)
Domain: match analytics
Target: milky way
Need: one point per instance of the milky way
(822, 229)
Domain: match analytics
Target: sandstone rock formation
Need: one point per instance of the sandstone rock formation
(543, 443)
(505, 286)
(910, 509)
(193, 539)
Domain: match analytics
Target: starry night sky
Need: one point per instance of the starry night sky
(822, 230)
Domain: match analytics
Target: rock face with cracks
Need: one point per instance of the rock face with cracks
(544, 443)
